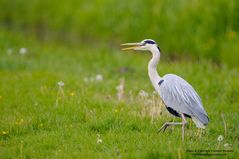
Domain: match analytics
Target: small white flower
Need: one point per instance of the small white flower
(98, 77)
(226, 145)
(23, 51)
(220, 138)
(60, 84)
(142, 93)
(89, 79)
(9, 51)
(99, 140)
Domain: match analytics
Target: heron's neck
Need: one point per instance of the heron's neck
(152, 66)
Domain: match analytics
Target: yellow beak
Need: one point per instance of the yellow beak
(133, 46)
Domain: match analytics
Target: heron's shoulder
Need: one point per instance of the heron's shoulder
(172, 80)
(173, 77)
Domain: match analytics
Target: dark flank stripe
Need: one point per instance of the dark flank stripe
(175, 113)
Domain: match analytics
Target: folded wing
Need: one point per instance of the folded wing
(179, 95)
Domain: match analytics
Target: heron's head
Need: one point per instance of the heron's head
(145, 45)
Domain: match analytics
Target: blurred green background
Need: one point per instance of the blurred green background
(193, 29)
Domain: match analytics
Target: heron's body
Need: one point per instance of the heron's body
(177, 94)
(182, 99)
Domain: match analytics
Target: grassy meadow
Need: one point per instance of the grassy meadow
(62, 70)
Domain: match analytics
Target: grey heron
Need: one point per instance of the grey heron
(178, 95)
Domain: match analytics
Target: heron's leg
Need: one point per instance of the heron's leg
(167, 124)
(184, 122)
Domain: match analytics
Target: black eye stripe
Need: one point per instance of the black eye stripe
(144, 42)
(149, 42)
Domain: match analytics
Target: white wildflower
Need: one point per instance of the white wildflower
(220, 138)
(99, 140)
(23, 51)
(99, 77)
(226, 145)
(89, 79)
(142, 93)
(60, 84)
(60, 93)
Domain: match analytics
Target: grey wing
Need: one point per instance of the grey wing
(179, 95)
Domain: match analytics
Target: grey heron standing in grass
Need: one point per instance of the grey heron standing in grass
(178, 95)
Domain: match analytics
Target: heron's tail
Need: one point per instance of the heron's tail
(198, 123)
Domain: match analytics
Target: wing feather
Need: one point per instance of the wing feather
(180, 95)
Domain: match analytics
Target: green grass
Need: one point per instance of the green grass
(198, 28)
(36, 127)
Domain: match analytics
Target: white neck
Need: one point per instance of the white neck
(152, 66)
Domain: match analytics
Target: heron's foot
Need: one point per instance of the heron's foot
(163, 128)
